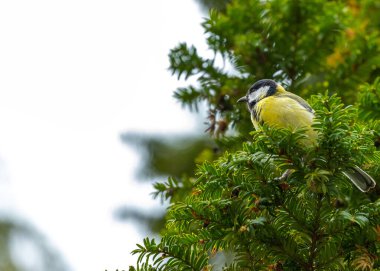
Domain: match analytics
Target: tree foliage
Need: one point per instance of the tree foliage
(315, 220)
(308, 46)
(17, 240)
(236, 205)
(160, 152)
(215, 4)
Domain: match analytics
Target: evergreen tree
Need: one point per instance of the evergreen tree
(236, 205)
(314, 220)
(306, 46)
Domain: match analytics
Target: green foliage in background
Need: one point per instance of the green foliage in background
(23, 248)
(307, 46)
(235, 212)
(215, 4)
(160, 153)
(160, 158)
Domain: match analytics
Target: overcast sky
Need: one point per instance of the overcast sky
(74, 75)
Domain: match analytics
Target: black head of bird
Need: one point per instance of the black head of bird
(259, 90)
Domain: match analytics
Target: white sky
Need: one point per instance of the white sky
(74, 75)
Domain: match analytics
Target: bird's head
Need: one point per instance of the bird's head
(259, 90)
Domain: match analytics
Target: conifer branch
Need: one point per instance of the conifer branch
(315, 235)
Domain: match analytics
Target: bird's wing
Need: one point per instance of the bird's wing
(298, 99)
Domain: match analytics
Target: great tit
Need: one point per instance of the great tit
(269, 103)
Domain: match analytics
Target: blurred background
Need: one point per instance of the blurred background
(87, 123)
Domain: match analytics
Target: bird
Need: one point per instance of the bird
(270, 104)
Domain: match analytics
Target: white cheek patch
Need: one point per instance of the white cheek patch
(258, 94)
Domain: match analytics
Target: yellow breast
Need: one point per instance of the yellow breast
(283, 111)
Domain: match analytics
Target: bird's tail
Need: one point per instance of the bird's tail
(360, 178)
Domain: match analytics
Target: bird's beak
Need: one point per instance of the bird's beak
(242, 100)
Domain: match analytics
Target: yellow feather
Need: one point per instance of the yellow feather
(282, 110)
